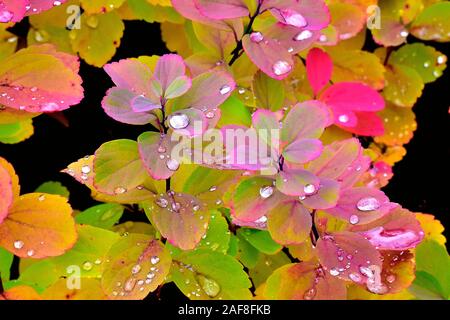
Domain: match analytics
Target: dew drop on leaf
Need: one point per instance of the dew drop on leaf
(368, 204)
(256, 37)
(179, 121)
(225, 89)
(211, 287)
(281, 67)
(266, 191)
(303, 35)
(18, 244)
(172, 164)
(154, 260)
(120, 190)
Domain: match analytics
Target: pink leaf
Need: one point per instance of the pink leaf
(319, 68)
(313, 14)
(6, 192)
(117, 104)
(348, 256)
(361, 205)
(368, 124)
(222, 9)
(292, 38)
(38, 6)
(305, 120)
(142, 104)
(297, 182)
(302, 150)
(133, 75)
(399, 230)
(268, 55)
(155, 150)
(168, 68)
(39, 79)
(352, 96)
(326, 197)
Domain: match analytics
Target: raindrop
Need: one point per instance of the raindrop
(209, 286)
(441, 59)
(293, 18)
(161, 202)
(154, 260)
(309, 189)
(161, 149)
(85, 169)
(310, 294)
(303, 35)
(213, 188)
(87, 266)
(281, 67)
(210, 115)
(354, 219)
(266, 191)
(355, 277)
(18, 244)
(343, 118)
(136, 269)
(6, 16)
(256, 37)
(368, 204)
(334, 272)
(130, 284)
(390, 278)
(179, 121)
(30, 253)
(92, 22)
(196, 207)
(225, 89)
(120, 190)
(172, 164)
(41, 197)
(56, 3)
(404, 33)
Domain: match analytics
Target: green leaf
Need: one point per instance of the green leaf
(433, 23)
(145, 11)
(203, 274)
(135, 266)
(102, 216)
(6, 259)
(53, 187)
(118, 167)
(234, 112)
(266, 265)
(427, 61)
(261, 240)
(217, 237)
(269, 92)
(88, 254)
(433, 259)
(247, 254)
(12, 133)
(403, 85)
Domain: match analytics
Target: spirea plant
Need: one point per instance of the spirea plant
(267, 136)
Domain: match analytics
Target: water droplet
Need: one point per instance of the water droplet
(390, 278)
(343, 118)
(355, 277)
(334, 272)
(293, 18)
(41, 36)
(256, 37)
(310, 294)
(30, 253)
(98, 261)
(213, 188)
(354, 219)
(368, 204)
(210, 114)
(161, 149)
(87, 266)
(6, 16)
(33, 89)
(179, 121)
(172, 164)
(441, 59)
(261, 220)
(404, 33)
(18, 244)
(176, 206)
(266, 191)
(92, 22)
(154, 260)
(161, 202)
(196, 207)
(309, 189)
(41, 197)
(130, 284)
(85, 169)
(225, 89)
(209, 286)
(323, 38)
(281, 67)
(303, 35)
(120, 190)
(136, 269)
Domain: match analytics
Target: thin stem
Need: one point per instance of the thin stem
(237, 52)
(165, 129)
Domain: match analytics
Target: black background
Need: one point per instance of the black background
(420, 181)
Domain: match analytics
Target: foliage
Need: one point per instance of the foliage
(306, 220)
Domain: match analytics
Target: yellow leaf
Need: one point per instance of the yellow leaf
(399, 123)
(38, 226)
(432, 227)
(90, 289)
(20, 293)
(99, 37)
(100, 6)
(174, 37)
